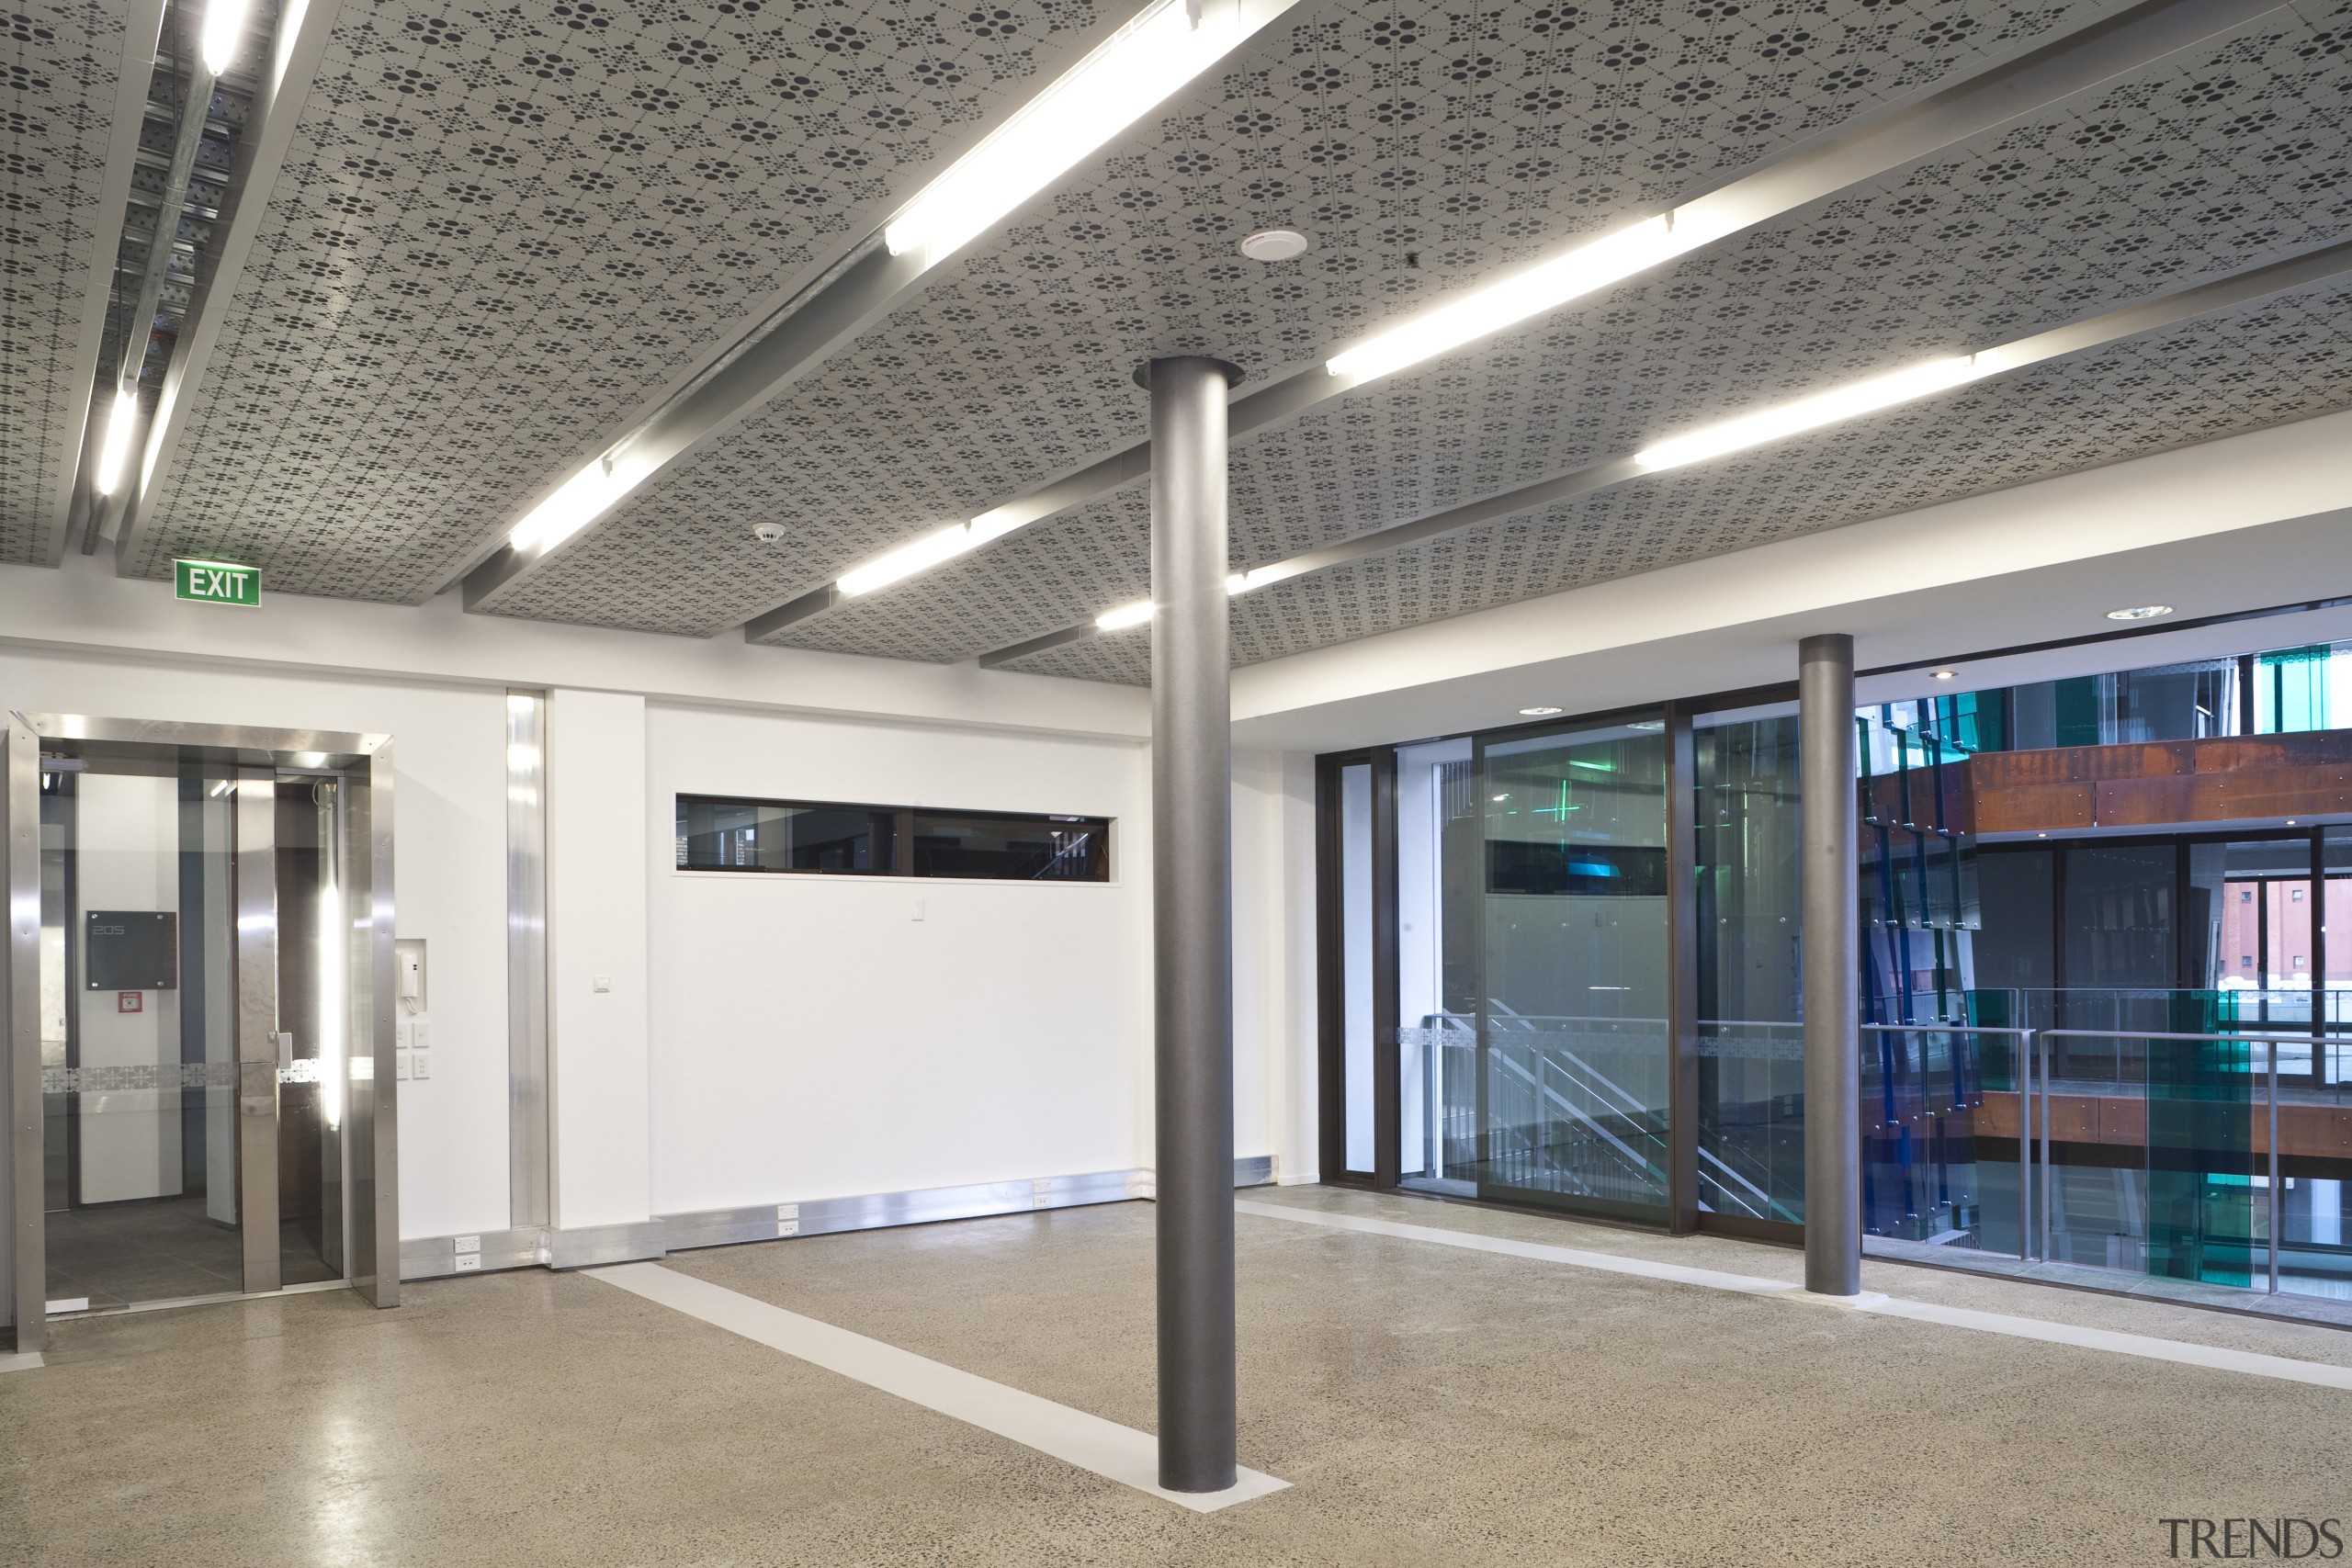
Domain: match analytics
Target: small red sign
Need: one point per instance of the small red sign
(131, 1001)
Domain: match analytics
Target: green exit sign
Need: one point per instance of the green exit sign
(218, 582)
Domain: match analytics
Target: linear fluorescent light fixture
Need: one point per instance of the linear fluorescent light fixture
(1126, 76)
(1823, 408)
(114, 452)
(1545, 286)
(1139, 611)
(578, 502)
(224, 25)
(1125, 616)
(897, 565)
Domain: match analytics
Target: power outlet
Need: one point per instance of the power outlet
(470, 1263)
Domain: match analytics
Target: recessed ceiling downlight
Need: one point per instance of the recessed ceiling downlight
(2140, 612)
(1274, 245)
(1539, 711)
(1945, 675)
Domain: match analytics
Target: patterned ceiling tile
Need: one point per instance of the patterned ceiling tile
(2285, 359)
(2243, 153)
(61, 64)
(1422, 148)
(501, 230)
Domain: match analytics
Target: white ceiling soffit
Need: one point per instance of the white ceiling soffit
(500, 238)
(70, 121)
(2205, 530)
(1421, 149)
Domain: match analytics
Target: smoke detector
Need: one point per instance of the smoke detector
(767, 533)
(1274, 245)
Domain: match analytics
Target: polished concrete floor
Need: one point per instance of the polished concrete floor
(1431, 1405)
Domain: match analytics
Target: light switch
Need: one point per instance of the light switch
(419, 1064)
(421, 1034)
(918, 909)
(600, 983)
(400, 1065)
(403, 1035)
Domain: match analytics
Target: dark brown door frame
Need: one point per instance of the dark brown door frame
(1388, 1055)
(1330, 985)
(1683, 1212)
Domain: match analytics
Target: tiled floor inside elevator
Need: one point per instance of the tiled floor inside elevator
(1429, 1404)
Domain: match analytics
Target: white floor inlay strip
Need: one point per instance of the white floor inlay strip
(23, 1361)
(1115, 1452)
(2180, 1350)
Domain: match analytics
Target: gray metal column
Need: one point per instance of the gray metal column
(1192, 866)
(1833, 1146)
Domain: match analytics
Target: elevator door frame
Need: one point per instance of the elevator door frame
(364, 765)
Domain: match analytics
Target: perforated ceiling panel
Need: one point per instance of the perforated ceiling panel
(1421, 147)
(2290, 358)
(2180, 174)
(499, 232)
(62, 65)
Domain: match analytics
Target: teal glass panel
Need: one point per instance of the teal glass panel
(2203, 1218)
(2290, 689)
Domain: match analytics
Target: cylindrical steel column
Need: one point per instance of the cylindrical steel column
(1833, 1133)
(1191, 871)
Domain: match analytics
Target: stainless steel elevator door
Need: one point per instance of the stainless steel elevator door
(194, 998)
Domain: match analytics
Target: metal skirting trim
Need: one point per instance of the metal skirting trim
(427, 1257)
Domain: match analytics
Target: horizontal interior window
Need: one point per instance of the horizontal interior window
(716, 833)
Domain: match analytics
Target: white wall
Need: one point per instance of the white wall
(1273, 960)
(813, 1038)
(449, 875)
(763, 1039)
(599, 824)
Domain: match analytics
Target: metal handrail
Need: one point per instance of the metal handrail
(2025, 1122)
(2270, 1208)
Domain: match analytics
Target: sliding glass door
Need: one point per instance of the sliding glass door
(1586, 932)
(1573, 1065)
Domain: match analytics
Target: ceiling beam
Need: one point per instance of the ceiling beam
(2170, 308)
(2118, 46)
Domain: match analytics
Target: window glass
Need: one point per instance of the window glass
(1436, 965)
(777, 835)
(716, 834)
(1751, 1037)
(1011, 849)
(1356, 962)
